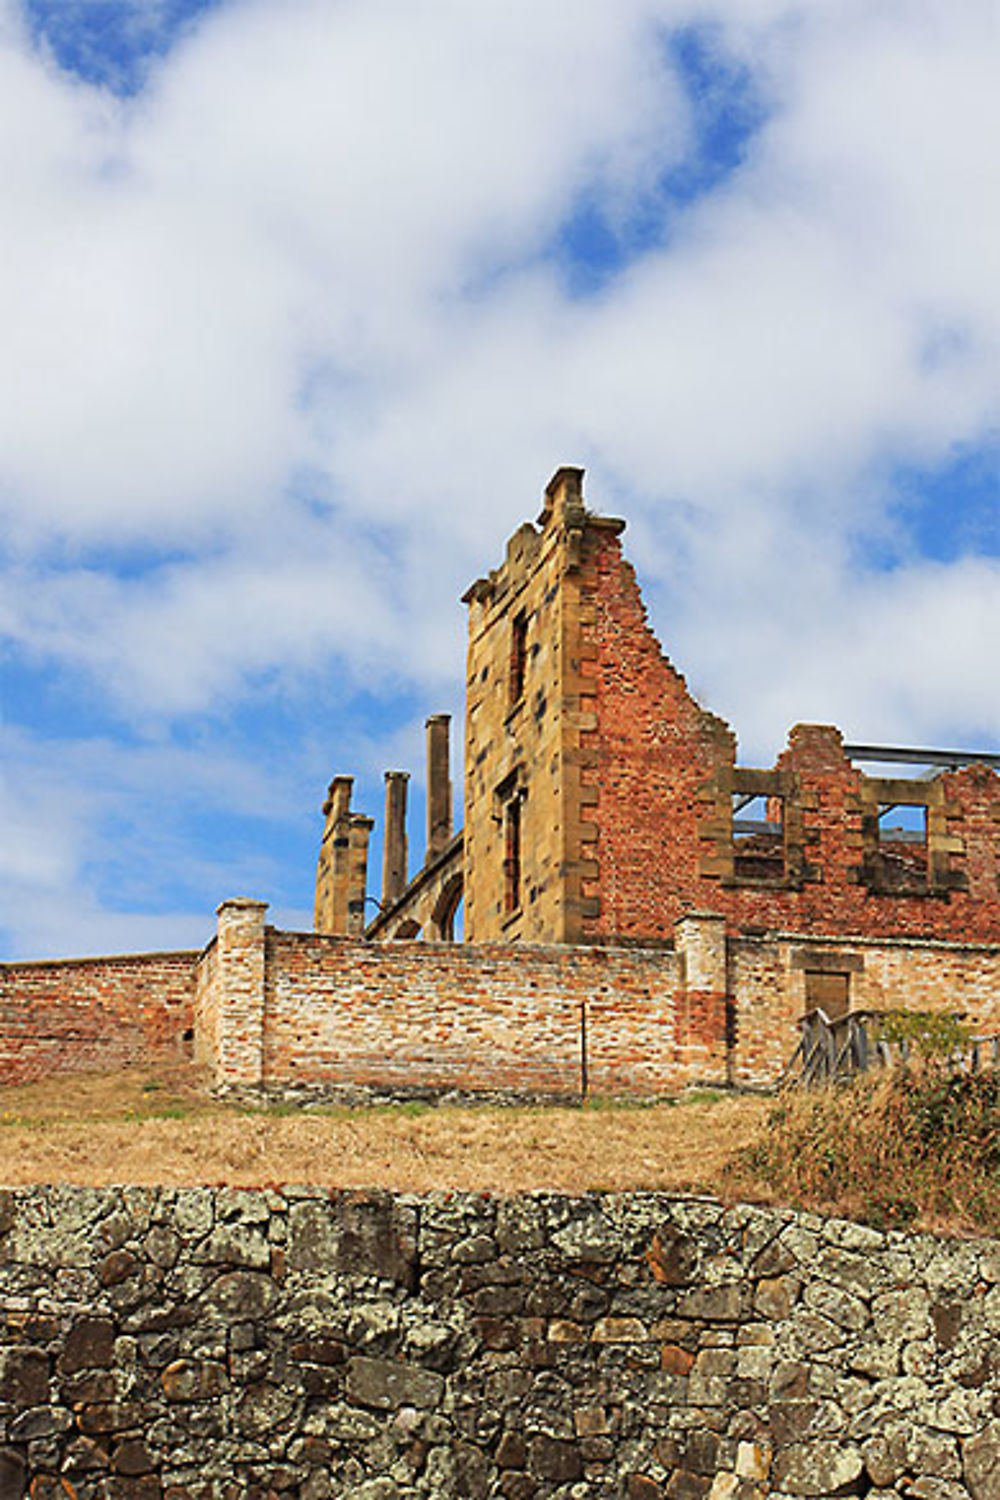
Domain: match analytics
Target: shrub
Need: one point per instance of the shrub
(919, 1143)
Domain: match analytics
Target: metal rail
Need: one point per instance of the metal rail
(904, 756)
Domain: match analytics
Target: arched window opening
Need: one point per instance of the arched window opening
(446, 921)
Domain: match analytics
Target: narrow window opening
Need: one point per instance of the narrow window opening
(512, 856)
(758, 836)
(518, 656)
(902, 847)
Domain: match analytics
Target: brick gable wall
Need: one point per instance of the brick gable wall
(661, 775)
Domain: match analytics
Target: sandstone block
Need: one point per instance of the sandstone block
(553, 1459)
(387, 1384)
(981, 1463)
(24, 1376)
(814, 1469)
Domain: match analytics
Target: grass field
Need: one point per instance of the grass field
(164, 1128)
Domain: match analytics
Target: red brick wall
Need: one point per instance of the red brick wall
(651, 751)
(650, 762)
(287, 1008)
(489, 1017)
(79, 1015)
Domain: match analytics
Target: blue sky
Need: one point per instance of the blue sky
(303, 303)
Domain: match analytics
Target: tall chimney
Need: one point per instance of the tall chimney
(438, 785)
(360, 831)
(394, 851)
(332, 874)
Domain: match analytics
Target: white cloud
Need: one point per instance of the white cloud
(287, 355)
(99, 836)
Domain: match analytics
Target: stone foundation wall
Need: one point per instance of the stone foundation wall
(194, 1344)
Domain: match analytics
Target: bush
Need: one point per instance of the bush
(918, 1144)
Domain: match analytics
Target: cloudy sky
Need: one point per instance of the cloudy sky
(304, 300)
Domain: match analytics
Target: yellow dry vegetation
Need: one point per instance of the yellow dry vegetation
(165, 1128)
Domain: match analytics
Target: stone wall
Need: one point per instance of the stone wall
(75, 1015)
(525, 719)
(194, 1344)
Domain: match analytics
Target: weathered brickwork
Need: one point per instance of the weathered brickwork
(664, 776)
(206, 1344)
(336, 1014)
(76, 1015)
(287, 1011)
(771, 976)
(647, 758)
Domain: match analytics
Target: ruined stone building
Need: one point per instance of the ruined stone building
(603, 804)
(640, 911)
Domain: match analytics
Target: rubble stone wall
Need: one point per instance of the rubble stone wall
(215, 1344)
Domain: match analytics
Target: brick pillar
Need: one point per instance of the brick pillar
(394, 849)
(438, 785)
(700, 941)
(239, 993)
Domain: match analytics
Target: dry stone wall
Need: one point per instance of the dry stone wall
(181, 1345)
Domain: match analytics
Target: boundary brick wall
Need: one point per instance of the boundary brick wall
(524, 1022)
(768, 975)
(301, 1009)
(207, 997)
(280, 1010)
(79, 1015)
(334, 1014)
(220, 1344)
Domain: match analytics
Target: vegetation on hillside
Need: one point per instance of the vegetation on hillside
(918, 1144)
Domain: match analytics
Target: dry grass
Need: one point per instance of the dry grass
(919, 1146)
(164, 1128)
